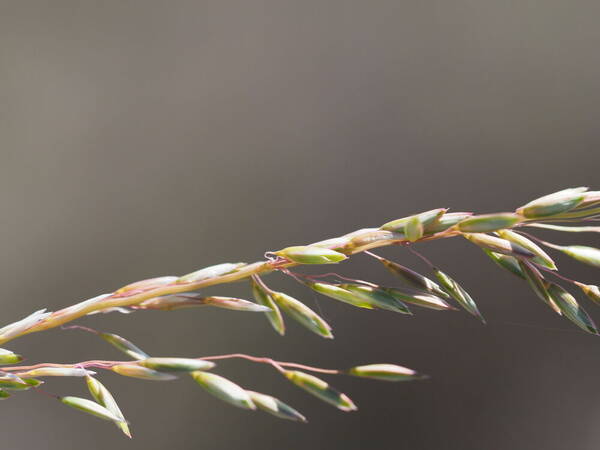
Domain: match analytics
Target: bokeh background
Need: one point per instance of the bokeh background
(147, 138)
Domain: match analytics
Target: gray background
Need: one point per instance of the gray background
(148, 138)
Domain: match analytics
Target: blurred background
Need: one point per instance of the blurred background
(148, 138)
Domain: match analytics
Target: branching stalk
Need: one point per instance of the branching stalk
(516, 252)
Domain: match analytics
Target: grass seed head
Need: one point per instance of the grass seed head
(338, 293)
(224, 389)
(488, 222)
(571, 309)
(591, 198)
(373, 239)
(583, 253)
(124, 345)
(592, 291)
(275, 407)
(338, 243)
(538, 284)
(498, 245)
(304, 254)
(302, 314)
(446, 221)
(457, 292)
(143, 373)
(506, 262)
(210, 272)
(11, 381)
(90, 407)
(426, 219)
(385, 372)
(17, 328)
(145, 285)
(172, 302)
(423, 299)
(8, 357)
(553, 204)
(320, 389)
(413, 229)
(263, 297)
(235, 304)
(541, 257)
(176, 364)
(377, 297)
(56, 372)
(103, 396)
(413, 278)
(509, 249)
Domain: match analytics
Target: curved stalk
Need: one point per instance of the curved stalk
(71, 313)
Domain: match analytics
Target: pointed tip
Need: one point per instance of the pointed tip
(349, 408)
(480, 317)
(280, 330)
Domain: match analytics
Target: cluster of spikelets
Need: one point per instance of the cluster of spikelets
(500, 236)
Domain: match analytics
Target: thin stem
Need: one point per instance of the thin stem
(377, 257)
(311, 369)
(46, 393)
(256, 359)
(103, 364)
(80, 327)
(412, 250)
(299, 276)
(541, 241)
(98, 364)
(258, 280)
(556, 274)
(568, 228)
(279, 365)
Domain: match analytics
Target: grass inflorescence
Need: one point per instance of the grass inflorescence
(500, 236)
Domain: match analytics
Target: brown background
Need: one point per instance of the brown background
(150, 138)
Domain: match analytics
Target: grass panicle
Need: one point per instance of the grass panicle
(501, 236)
